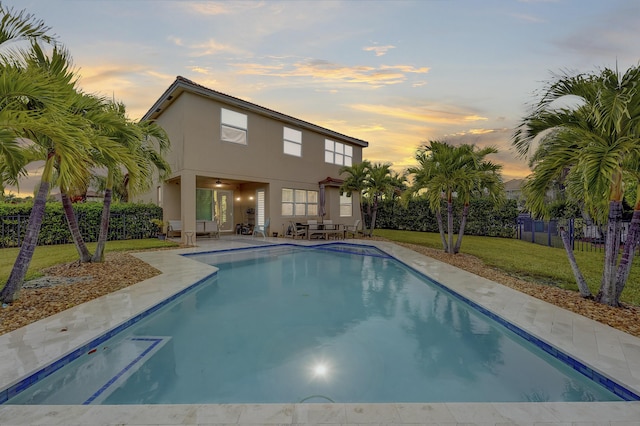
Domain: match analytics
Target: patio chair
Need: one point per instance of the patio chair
(296, 230)
(331, 230)
(312, 224)
(212, 228)
(352, 229)
(261, 229)
(174, 229)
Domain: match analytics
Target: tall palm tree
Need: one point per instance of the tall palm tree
(444, 172)
(33, 103)
(379, 183)
(356, 182)
(59, 140)
(483, 178)
(143, 147)
(593, 142)
(19, 88)
(115, 125)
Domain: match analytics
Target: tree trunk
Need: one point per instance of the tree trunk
(369, 216)
(72, 221)
(364, 225)
(624, 267)
(441, 229)
(463, 223)
(607, 293)
(98, 256)
(11, 290)
(582, 283)
(450, 226)
(374, 213)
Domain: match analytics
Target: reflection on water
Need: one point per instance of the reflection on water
(318, 326)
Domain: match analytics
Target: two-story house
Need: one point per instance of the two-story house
(242, 163)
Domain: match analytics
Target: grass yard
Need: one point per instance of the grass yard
(46, 256)
(526, 260)
(532, 262)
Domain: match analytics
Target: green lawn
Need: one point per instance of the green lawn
(45, 256)
(527, 260)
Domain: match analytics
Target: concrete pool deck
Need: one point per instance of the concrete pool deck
(610, 352)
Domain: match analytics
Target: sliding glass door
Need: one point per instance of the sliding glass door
(217, 203)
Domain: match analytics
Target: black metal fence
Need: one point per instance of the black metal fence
(122, 226)
(583, 236)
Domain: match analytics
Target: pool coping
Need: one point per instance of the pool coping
(608, 351)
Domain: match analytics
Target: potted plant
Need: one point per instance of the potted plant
(161, 233)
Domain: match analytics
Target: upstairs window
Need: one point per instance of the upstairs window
(233, 127)
(292, 142)
(338, 153)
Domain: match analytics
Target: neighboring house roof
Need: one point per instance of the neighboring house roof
(182, 84)
(513, 188)
(513, 185)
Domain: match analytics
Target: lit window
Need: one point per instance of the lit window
(233, 127)
(299, 202)
(346, 205)
(292, 142)
(338, 153)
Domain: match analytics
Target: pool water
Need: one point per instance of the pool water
(282, 325)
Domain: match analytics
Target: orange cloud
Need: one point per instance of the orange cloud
(331, 72)
(211, 47)
(480, 131)
(378, 50)
(419, 114)
(222, 8)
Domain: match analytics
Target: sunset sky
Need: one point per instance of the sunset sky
(394, 73)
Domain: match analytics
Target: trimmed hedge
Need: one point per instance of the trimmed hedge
(484, 218)
(128, 221)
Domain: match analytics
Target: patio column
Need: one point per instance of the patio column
(188, 205)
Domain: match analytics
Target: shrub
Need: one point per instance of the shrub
(128, 221)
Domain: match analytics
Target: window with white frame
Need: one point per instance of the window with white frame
(292, 142)
(346, 205)
(299, 202)
(260, 207)
(338, 153)
(233, 126)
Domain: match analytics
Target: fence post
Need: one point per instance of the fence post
(533, 231)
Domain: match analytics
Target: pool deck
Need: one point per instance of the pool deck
(608, 351)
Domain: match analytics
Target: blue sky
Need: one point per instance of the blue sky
(394, 73)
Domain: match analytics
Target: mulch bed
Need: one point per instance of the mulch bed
(68, 285)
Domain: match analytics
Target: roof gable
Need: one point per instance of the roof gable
(182, 84)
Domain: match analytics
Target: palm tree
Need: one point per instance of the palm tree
(125, 134)
(484, 179)
(445, 171)
(19, 88)
(379, 183)
(19, 26)
(356, 182)
(143, 147)
(33, 109)
(592, 143)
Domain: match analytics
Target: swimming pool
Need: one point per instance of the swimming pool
(394, 307)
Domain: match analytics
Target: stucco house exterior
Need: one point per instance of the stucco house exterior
(243, 163)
